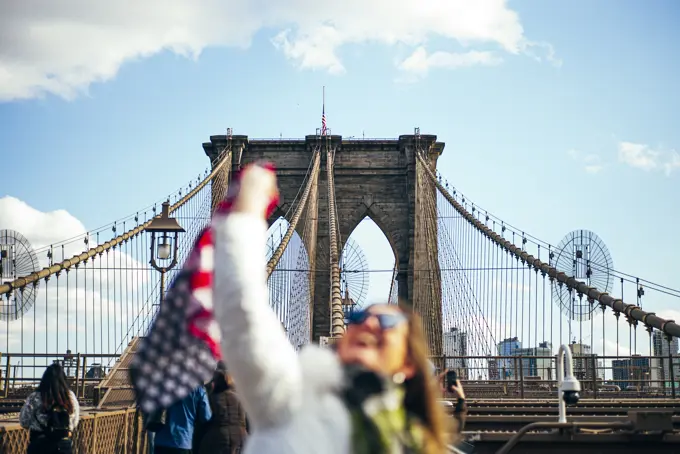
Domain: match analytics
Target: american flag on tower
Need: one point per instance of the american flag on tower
(324, 129)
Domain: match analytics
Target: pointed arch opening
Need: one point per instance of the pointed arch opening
(367, 265)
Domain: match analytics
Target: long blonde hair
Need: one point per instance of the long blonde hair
(422, 391)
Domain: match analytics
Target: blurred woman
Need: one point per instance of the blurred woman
(226, 431)
(51, 414)
(374, 393)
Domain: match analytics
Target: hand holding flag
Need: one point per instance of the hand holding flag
(254, 191)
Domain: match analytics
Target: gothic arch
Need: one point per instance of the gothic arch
(371, 210)
(281, 212)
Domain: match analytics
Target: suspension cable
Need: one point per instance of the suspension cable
(46, 272)
(337, 314)
(276, 256)
(649, 319)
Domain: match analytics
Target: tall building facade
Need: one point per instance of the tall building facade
(506, 366)
(455, 344)
(632, 372)
(586, 364)
(661, 367)
(537, 361)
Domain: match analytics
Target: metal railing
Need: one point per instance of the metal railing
(111, 432)
(606, 377)
(302, 140)
(482, 376)
(83, 377)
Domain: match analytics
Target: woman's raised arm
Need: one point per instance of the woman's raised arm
(260, 358)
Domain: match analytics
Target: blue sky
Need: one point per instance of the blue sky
(584, 137)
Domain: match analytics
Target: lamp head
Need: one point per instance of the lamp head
(165, 228)
(164, 250)
(164, 223)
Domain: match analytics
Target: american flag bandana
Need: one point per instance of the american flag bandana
(182, 347)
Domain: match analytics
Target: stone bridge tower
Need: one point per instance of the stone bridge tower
(380, 179)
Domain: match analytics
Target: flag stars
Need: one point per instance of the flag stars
(178, 355)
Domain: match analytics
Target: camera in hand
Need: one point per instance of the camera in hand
(451, 378)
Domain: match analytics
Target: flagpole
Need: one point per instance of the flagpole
(323, 111)
(323, 107)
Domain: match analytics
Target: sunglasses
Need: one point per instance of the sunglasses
(386, 321)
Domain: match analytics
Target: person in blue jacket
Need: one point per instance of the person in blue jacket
(177, 434)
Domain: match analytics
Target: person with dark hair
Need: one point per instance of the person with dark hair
(226, 432)
(220, 367)
(201, 428)
(374, 393)
(51, 414)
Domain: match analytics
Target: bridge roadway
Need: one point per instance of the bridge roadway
(492, 422)
(496, 414)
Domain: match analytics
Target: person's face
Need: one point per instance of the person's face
(377, 339)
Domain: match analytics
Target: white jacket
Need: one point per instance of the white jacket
(290, 399)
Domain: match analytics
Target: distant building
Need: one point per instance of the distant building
(455, 344)
(96, 371)
(586, 364)
(494, 373)
(634, 371)
(532, 363)
(661, 370)
(506, 366)
(70, 364)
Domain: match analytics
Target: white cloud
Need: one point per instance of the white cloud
(61, 47)
(41, 229)
(102, 297)
(591, 162)
(638, 155)
(419, 62)
(672, 162)
(669, 314)
(541, 52)
(612, 347)
(642, 156)
(594, 168)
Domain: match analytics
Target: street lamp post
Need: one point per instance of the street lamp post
(168, 230)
